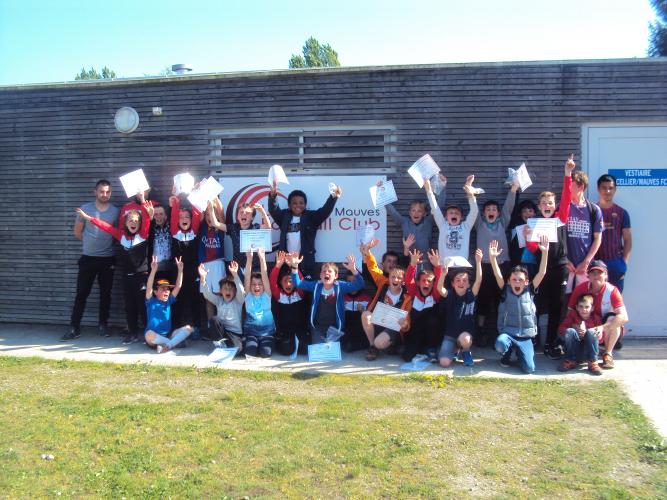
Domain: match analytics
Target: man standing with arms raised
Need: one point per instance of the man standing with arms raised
(97, 260)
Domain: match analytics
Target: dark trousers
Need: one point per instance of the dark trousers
(259, 345)
(550, 299)
(90, 268)
(189, 303)
(425, 332)
(285, 339)
(134, 293)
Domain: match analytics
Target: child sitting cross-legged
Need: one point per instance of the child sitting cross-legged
(259, 328)
(458, 307)
(158, 311)
(581, 331)
(229, 306)
(517, 322)
(391, 291)
(327, 309)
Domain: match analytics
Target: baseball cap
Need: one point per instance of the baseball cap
(597, 265)
(160, 283)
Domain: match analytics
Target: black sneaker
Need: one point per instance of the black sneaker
(505, 361)
(74, 333)
(130, 339)
(103, 330)
(546, 350)
(556, 352)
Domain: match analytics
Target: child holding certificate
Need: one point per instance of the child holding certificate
(259, 328)
(458, 307)
(391, 291)
(245, 215)
(327, 310)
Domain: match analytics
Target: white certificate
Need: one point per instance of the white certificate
(457, 261)
(520, 236)
(383, 195)
(222, 355)
(183, 183)
(134, 183)
(542, 226)
(254, 239)
(365, 234)
(328, 351)
(387, 316)
(519, 176)
(207, 190)
(277, 174)
(422, 169)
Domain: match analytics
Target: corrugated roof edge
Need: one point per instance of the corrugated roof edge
(315, 71)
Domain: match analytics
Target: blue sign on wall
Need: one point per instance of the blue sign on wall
(640, 176)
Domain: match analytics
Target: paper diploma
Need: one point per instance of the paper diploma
(365, 234)
(457, 261)
(277, 174)
(422, 169)
(134, 183)
(207, 190)
(222, 355)
(520, 236)
(183, 183)
(383, 195)
(387, 316)
(254, 239)
(328, 351)
(542, 226)
(520, 176)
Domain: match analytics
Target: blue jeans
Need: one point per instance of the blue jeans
(524, 350)
(578, 349)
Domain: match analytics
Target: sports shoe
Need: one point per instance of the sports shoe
(467, 358)
(103, 330)
(130, 339)
(555, 352)
(431, 355)
(196, 333)
(162, 348)
(607, 361)
(594, 368)
(505, 360)
(567, 365)
(74, 333)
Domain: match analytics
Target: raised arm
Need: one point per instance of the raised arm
(494, 252)
(275, 272)
(175, 204)
(211, 209)
(564, 207)
(103, 225)
(179, 276)
(440, 284)
(508, 206)
(275, 211)
(262, 269)
(266, 222)
(325, 210)
(151, 278)
(544, 247)
(248, 269)
(472, 202)
(478, 272)
(435, 209)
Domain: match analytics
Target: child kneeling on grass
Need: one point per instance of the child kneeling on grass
(581, 331)
(458, 307)
(517, 322)
(158, 311)
(259, 329)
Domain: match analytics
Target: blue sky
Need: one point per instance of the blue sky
(50, 40)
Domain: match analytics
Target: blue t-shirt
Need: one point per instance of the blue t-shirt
(259, 318)
(459, 312)
(158, 315)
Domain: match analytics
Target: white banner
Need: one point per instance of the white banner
(337, 235)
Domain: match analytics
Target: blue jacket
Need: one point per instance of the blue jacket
(341, 289)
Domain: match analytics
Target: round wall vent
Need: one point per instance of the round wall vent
(126, 120)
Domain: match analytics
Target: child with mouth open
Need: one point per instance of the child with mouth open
(245, 217)
(517, 322)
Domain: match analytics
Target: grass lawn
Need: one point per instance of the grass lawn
(137, 431)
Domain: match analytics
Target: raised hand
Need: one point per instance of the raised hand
(544, 243)
(570, 165)
(415, 257)
(172, 200)
(479, 255)
(337, 192)
(427, 186)
(280, 258)
(349, 264)
(434, 257)
(294, 259)
(364, 249)
(179, 264)
(274, 189)
(261, 253)
(234, 267)
(203, 272)
(408, 241)
(494, 251)
(154, 264)
(373, 243)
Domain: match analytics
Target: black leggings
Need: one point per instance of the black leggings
(134, 293)
(550, 299)
(425, 332)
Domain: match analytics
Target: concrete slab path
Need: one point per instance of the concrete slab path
(641, 366)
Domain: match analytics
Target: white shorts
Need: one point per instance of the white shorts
(216, 271)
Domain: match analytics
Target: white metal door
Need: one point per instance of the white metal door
(637, 155)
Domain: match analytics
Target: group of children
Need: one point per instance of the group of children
(442, 313)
